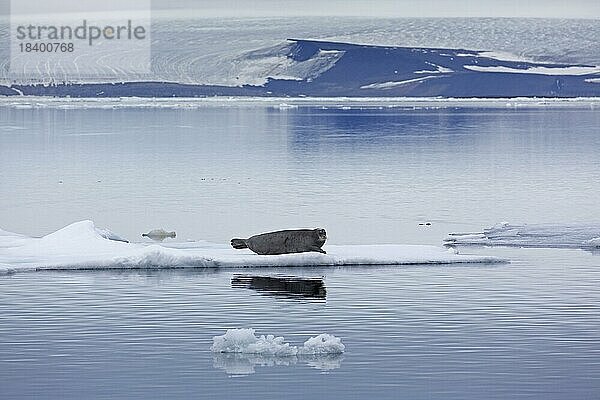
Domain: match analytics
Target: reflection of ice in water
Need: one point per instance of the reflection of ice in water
(246, 342)
(326, 362)
(244, 364)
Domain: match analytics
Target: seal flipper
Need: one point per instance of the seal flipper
(239, 243)
(318, 249)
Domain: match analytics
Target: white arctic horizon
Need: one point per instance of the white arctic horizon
(83, 246)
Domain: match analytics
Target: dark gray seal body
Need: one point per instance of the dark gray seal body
(284, 242)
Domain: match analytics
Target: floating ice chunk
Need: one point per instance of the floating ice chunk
(439, 70)
(543, 235)
(245, 341)
(323, 344)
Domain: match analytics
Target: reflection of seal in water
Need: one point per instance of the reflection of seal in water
(283, 242)
(159, 234)
(280, 285)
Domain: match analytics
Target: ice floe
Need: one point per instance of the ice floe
(540, 235)
(83, 246)
(238, 351)
(245, 341)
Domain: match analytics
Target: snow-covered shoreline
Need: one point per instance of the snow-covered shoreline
(83, 246)
(285, 103)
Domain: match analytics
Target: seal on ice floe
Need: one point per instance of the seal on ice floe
(284, 242)
(159, 234)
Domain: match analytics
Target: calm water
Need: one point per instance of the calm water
(529, 329)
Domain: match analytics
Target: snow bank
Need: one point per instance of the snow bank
(246, 342)
(547, 235)
(83, 246)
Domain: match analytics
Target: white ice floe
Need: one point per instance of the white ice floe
(322, 344)
(593, 80)
(573, 71)
(83, 246)
(547, 235)
(438, 70)
(246, 342)
(238, 351)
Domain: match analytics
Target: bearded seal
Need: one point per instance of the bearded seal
(159, 234)
(284, 242)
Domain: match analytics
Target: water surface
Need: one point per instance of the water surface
(528, 329)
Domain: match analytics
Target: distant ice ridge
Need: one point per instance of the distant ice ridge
(541, 235)
(83, 246)
(245, 341)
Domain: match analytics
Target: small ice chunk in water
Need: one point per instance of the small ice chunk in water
(246, 342)
(323, 344)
